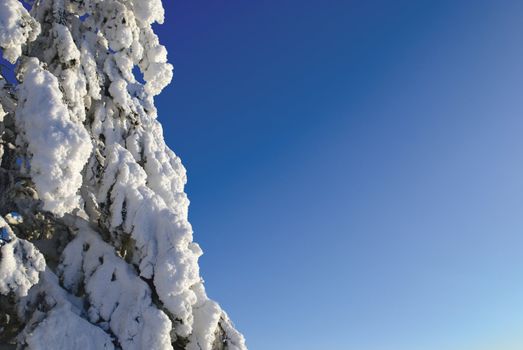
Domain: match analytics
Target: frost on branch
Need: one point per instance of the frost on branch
(104, 256)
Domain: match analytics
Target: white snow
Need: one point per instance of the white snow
(89, 67)
(2, 114)
(58, 146)
(54, 319)
(20, 265)
(207, 315)
(118, 298)
(149, 11)
(65, 46)
(164, 248)
(16, 28)
(157, 73)
(64, 329)
(118, 90)
(72, 79)
(118, 25)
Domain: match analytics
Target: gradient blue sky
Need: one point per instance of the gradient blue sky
(355, 168)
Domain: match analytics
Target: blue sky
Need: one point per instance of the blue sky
(355, 168)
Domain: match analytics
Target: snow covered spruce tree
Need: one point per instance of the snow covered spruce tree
(96, 250)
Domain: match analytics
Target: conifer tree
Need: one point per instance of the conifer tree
(96, 248)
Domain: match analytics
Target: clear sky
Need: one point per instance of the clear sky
(355, 168)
